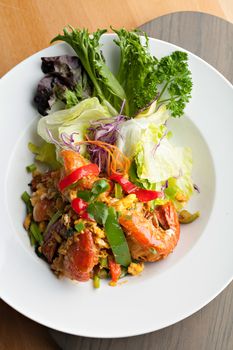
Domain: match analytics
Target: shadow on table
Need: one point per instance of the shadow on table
(205, 330)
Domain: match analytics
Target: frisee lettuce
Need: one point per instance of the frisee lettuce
(87, 48)
(141, 77)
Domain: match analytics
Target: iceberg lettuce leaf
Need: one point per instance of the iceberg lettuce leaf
(76, 119)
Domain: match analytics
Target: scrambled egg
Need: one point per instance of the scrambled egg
(125, 203)
(135, 268)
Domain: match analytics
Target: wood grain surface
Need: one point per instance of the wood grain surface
(27, 26)
(210, 328)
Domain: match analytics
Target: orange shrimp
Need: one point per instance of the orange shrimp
(73, 160)
(81, 257)
(153, 238)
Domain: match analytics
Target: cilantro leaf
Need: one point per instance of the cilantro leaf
(85, 195)
(98, 211)
(99, 187)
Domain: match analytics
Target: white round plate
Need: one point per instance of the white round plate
(167, 291)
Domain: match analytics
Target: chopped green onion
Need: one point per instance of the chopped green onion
(27, 200)
(186, 218)
(32, 239)
(99, 187)
(124, 271)
(103, 274)
(38, 252)
(153, 251)
(53, 219)
(79, 226)
(118, 191)
(30, 168)
(96, 281)
(103, 262)
(26, 197)
(35, 231)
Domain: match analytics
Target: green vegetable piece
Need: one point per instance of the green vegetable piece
(79, 227)
(32, 239)
(98, 211)
(31, 168)
(186, 218)
(137, 70)
(46, 153)
(27, 200)
(99, 187)
(85, 195)
(175, 77)
(96, 281)
(53, 219)
(145, 78)
(103, 274)
(87, 47)
(38, 252)
(124, 271)
(118, 191)
(35, 231)
(116, 238)
(103, 262)
(153, 251)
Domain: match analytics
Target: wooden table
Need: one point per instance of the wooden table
(27, 26)
(211, 327)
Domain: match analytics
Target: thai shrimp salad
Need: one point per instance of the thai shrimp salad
(108, 186)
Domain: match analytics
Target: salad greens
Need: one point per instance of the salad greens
(87, 47)
(73, 120)
(129, 110)
(46, 153)
(155, 159)
(175, 77)
(65, 80)
(123, 183)
(141, 78)
(138, 70)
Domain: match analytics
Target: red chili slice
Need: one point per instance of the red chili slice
(115, 270)
(80, 207)
(129, 187)
(76, 175)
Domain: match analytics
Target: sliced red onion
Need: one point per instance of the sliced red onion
(158, 144)
(53, 140)
(105, 130)
(69, 141)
